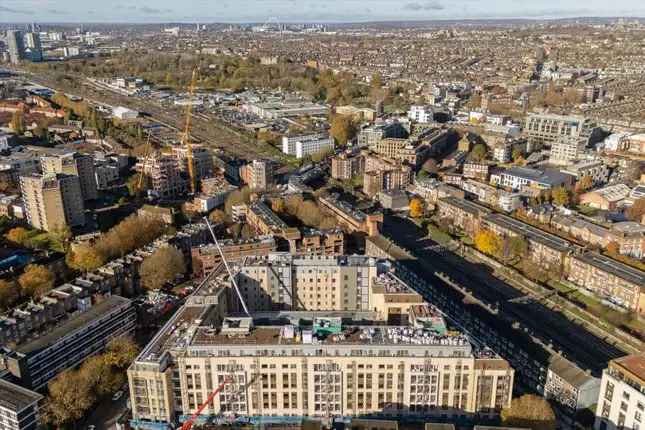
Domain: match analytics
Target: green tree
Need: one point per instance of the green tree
(529, 411)
(479, 152)
(161, 267)
(36, 280)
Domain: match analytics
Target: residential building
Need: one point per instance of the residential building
(521, 178)
(208, 256)
(370, 136)
(341, 362)
(350, 217)
(75, 337)
(165, 177)
(461, 213)
(302, 146)
(630, 237)
(16, 46)
(545, 129)
(481, 191)
(413, 153)
(202, 161)
(258, 175)
(621, 403)
(566, 151)
(595, 169)
(569, 386)
(52, 201)
(318, 242)
(608, 278)
(509, 202)
(422, 114)
(387, 175)
(73, 163)
(346, 166)
(18, 407)
(608, 198)
(394, 200)
(431, 190)
(476, 170)
(358, 114)
(266, 222)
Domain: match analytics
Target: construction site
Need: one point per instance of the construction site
(391, 355)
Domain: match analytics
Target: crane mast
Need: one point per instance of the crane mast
(186, 137)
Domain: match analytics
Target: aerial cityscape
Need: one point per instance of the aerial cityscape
(289, 214)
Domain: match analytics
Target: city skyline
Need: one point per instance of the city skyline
(305, 10)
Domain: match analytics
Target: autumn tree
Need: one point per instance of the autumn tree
(585, 183)
(218, 216)
(161, 267)
(101, 376)
(277, 205)
(342, 129)
(70, 397)
(121, 352)
(517, 154)
(36, 280)
(18, 235)
(529, 411)
(487, 242)
(416, 208)
(636, 211)
(479, 152)
(17, 123)
(561, 196)
(237, 197)
(9, 294)
(613, 248)
(515, 247)
(84, 258)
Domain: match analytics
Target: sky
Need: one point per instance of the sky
(151, 11)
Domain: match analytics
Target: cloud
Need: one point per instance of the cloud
(416, 6)
(11, 10)
(154, 11)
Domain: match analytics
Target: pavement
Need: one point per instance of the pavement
(550, 327)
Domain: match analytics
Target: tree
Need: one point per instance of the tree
(416, 208)
(121, 351)
(161, 267)
(17, 122)
(247, 231)
(479, 152)
(36, 280)
(561, 196)
(237, 197)
(342, 129)
(218, 216)
(515, 247)
(517, 154)
(84, 258)
(529, 411)
(487, 242)
(636, 211)
(18, 235)
(101, 376)
(277, 205)
(613, 248)
(70, 397)
(9, 294)
(60, 237)
(585, 183)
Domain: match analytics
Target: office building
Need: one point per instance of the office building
(398, 357)
(302, 146)
(16, 46)
(73, 163)
(33, 48)
(621, 403)
(18, 407)
(75, 336)
(52, 201)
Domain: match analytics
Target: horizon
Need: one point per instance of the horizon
(306, 11)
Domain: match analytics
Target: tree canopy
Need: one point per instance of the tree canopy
(529, 411)
(161, 267)
(36, 280)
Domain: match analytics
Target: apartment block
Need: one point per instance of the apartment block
(18, 407)
(524, 178)
(596, 169)
(166, 180)
(332, 363)
(304, 145)
(258, 175)
(52, 201)
(203, 166)
(370, 136)
(350, 217)
(208, 257)
(545, 129)
(621, 403)
(462, 213)
(75, 337)
(346, 166)
(475, 170)
(73, 163)
(569, 386)
(608, 278)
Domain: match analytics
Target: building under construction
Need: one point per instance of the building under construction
(390, 353)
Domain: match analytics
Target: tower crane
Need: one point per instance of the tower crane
(143, 168)
(190, 421)
(186, 136)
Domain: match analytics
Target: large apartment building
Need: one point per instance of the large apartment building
(73, 163)
(398, 357)
(621, 403)
(18, 407)
(52, 201)
(304, 145)
(258, 175)
(545, 129)
(346, 166)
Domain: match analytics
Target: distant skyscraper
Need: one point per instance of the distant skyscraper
(16, 46)
(34, 49)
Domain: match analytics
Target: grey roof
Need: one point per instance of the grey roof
(16, 398)
(530, 232)
(546, 177)
(616, 268)
(466, 205)
(569, 371)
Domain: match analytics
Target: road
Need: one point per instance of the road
(104, 416)
(550, 327)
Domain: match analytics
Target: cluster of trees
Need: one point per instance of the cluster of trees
(56, 239)
(73, 392)
(343, 129)
(504, 248)
(529, 411)
(164, 265)
(35, 281)
(306, 211)
(130, 234)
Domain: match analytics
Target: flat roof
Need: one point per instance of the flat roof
(15, 397)
(616, 268)
(531, 232)
(69, 326)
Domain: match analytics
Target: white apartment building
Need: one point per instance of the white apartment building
(422, 114)
(621, 403)
(565, 150)
(304, 145)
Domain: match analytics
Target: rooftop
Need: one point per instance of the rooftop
(466, 205)
(634, 364)
(16, 398)
(547, 177)
(533, 233)
(616, 268)
(569, 372)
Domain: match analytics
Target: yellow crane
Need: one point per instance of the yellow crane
(186, 137)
